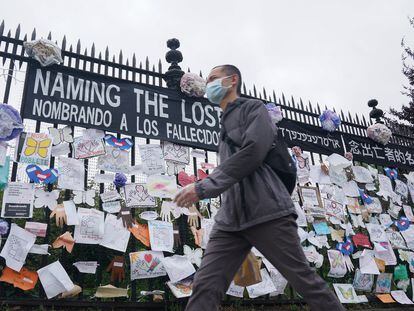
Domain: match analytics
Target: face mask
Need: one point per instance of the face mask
(215, 91)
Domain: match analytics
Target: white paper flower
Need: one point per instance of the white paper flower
(193, 85)
(44, 51)
(379, 133)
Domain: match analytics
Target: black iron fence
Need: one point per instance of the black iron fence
(14, 65)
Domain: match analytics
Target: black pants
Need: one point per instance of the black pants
(279, 242)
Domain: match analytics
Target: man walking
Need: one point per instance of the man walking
(264, 217)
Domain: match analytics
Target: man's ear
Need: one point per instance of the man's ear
(235, 80)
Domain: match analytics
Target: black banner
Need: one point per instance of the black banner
(390, 155)
(63, 95)
(310, 138)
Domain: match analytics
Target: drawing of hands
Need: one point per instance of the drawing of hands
(166, 209)
(116, 267)
(193, 216)
(59, 213)
(125, 214)
(66, 240)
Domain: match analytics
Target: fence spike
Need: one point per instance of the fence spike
(134, 61)
(100, 55)
(19, 63)
(264, 93)
(188, 69)
(64, 43)
(17, 34)
(254, 91)
(274, 96)
(107, 53)
(33, 37)
(113, 58)
(147, 63)
(49, 36)
(127, 62)
(160, 66)
(350, 117)
(93, 50)
(9, 34)
(250, 93)
(244, 88)
(301, 104)
(293, 102)
(357, 119)
(2, 27)
(120, 57)
(200, 74)
(78, 47)
(71, 48)
(283, 99)
(364, 121)
(318, 108)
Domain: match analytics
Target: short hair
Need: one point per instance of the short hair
(232, 70)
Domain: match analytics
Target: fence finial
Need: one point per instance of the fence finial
(174, 72)
(375, 113)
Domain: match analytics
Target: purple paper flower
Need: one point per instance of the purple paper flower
(329, 120)
(11, 124)
(120, 180)
(274, 112)
(4, 227)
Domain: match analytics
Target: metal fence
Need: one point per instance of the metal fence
(14, 63)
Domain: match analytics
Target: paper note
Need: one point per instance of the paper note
(86, 266)
(136, 195)
(162, 186)
(18, 200)
(161, 235)
(54, 279)
(17, 247)
(152, 159)
(116, 236)
(146, 264)
(91, 226)
(177, 267)
(71, 174)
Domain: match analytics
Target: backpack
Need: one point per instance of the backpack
(278, 158)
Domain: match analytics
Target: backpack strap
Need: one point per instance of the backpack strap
(232, 146)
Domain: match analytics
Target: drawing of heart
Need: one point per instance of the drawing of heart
(37, 175)
(148, 257)
(115, 153)
(141, 192)
(122, 144)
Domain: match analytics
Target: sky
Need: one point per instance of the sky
(332, 52)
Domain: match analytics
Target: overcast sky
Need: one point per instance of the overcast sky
(338, 53)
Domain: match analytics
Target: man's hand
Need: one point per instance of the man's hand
(187, 196)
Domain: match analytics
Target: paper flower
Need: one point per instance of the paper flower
(365, 197)
(274, 112)
(4, 227)
(346, 248)
(329, 120)
(120, 180)
(392, 173)
(11, 123)
(193, 85)
(379, 133)
(44, 51)
(403, 223)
